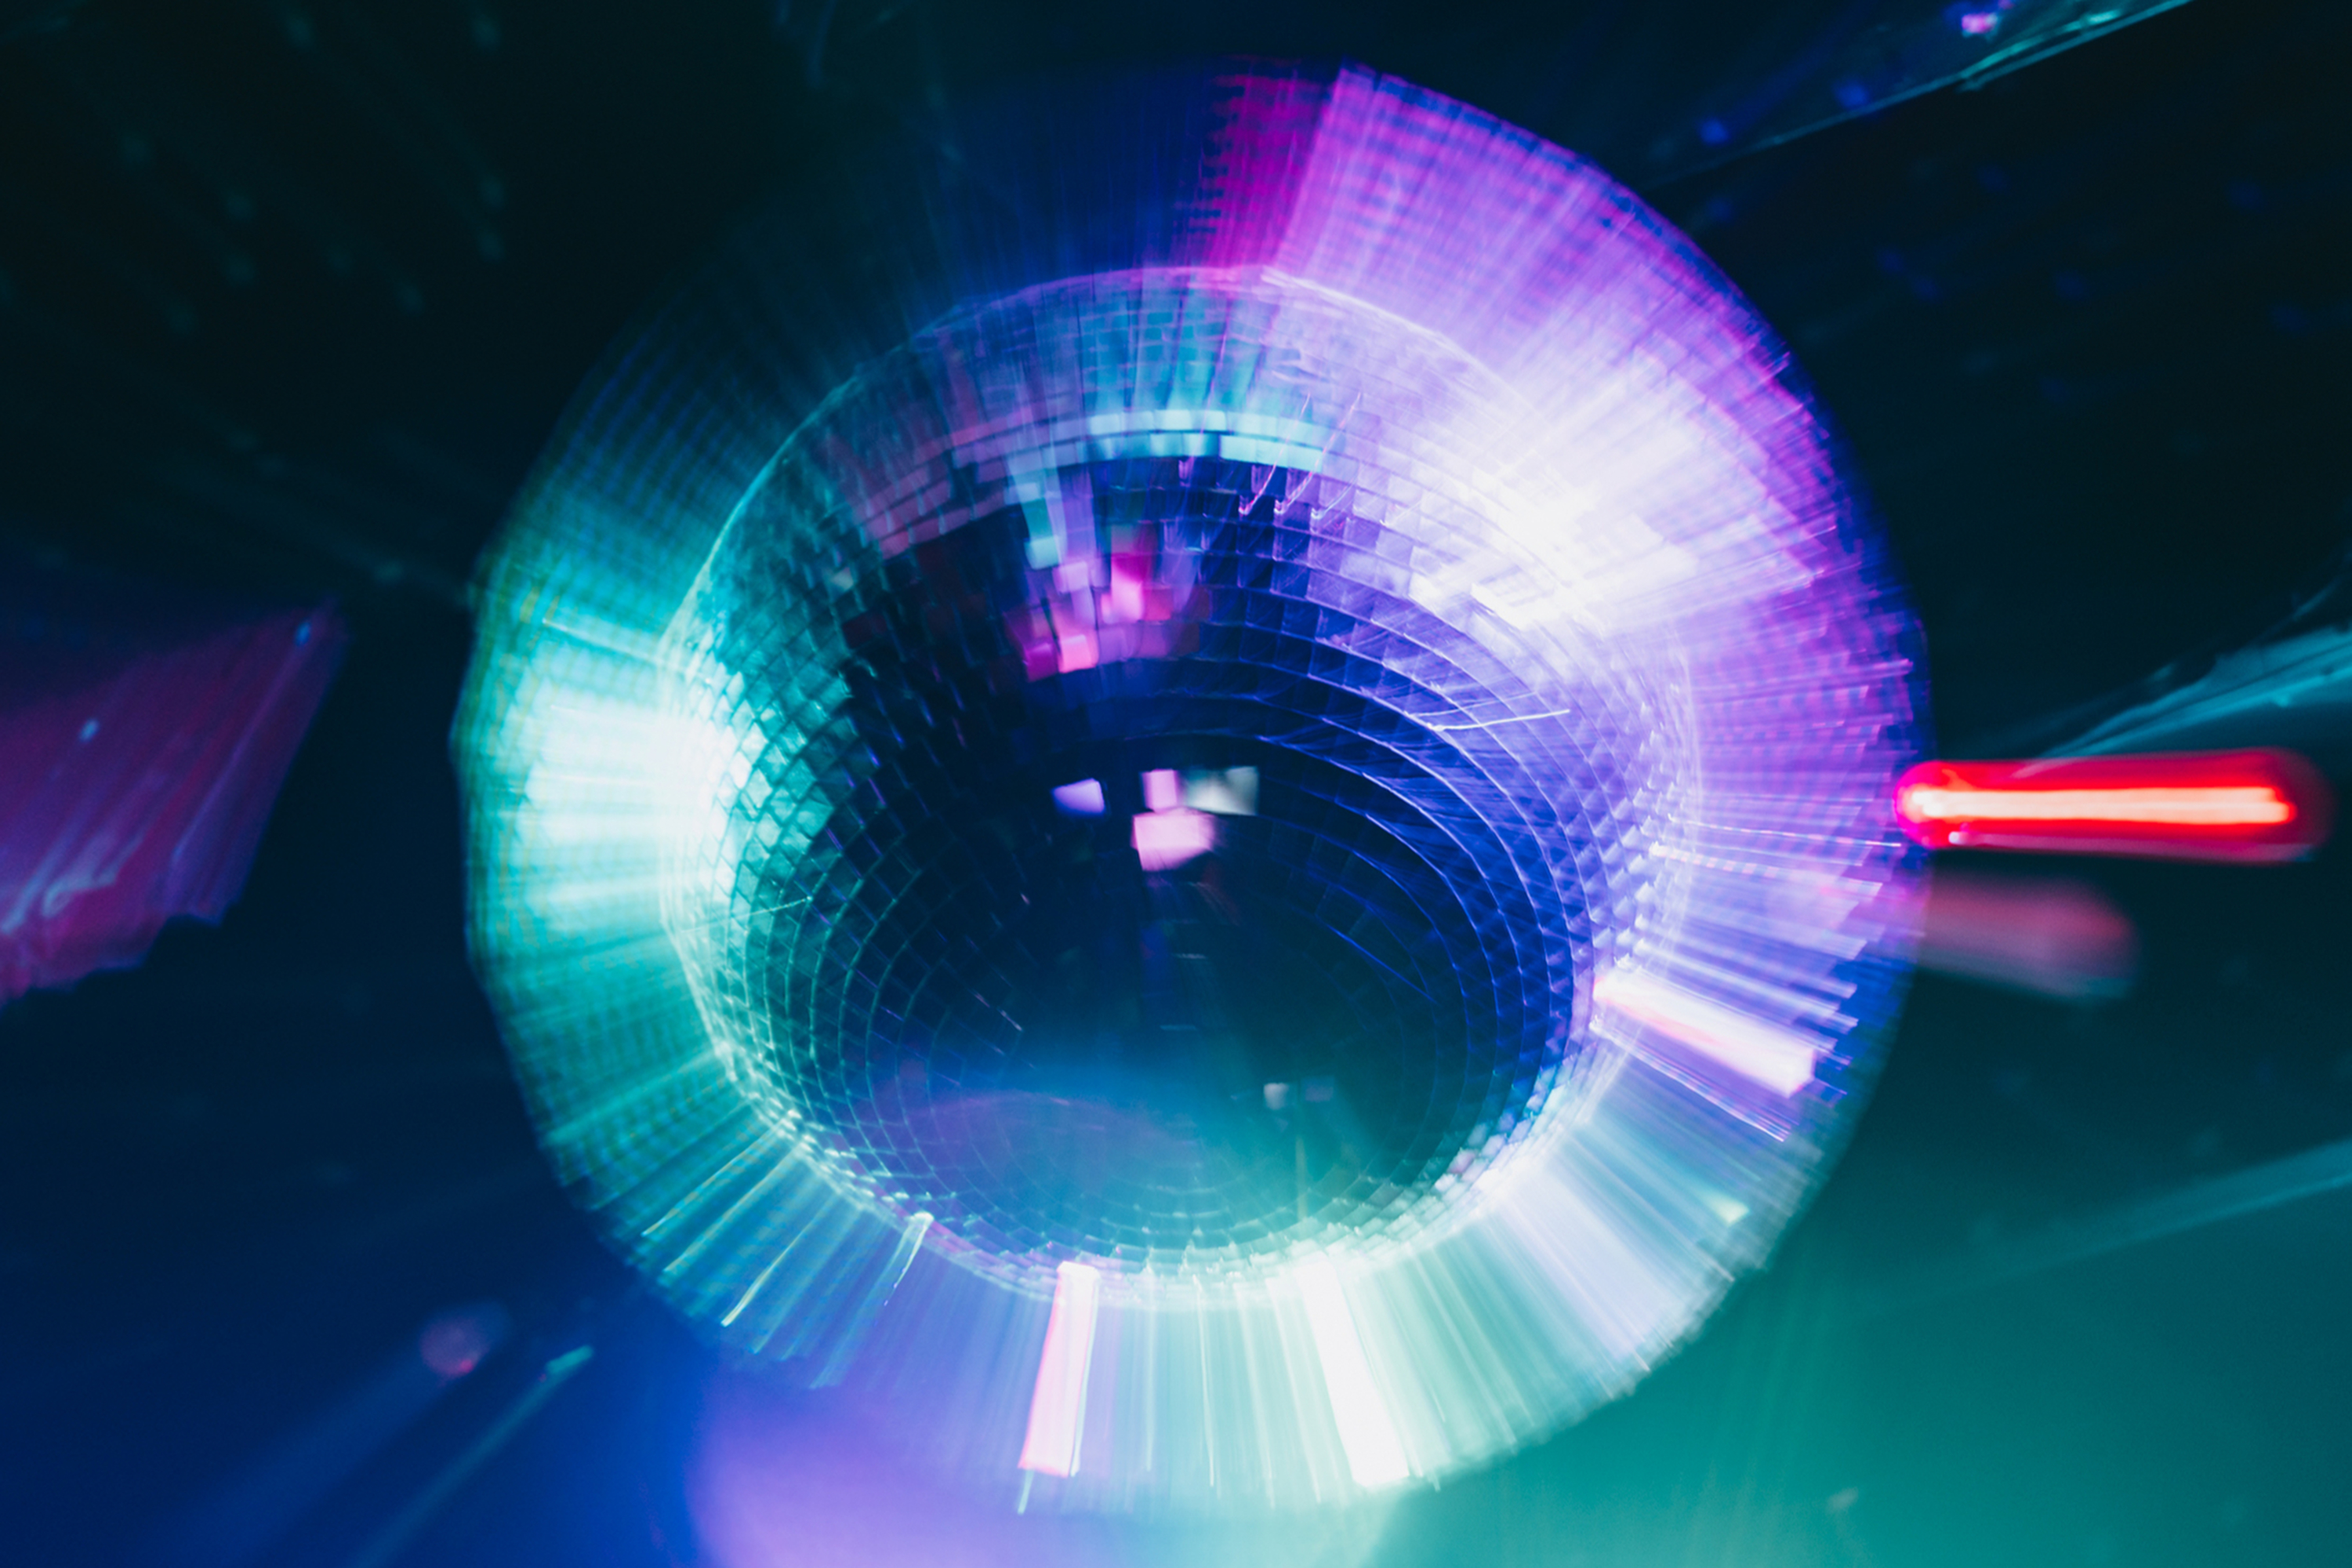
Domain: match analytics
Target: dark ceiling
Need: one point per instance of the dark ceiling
(290, 296)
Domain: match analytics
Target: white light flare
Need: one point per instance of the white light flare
(1058, 1408)
(1375, 1456)
(1780, 1060)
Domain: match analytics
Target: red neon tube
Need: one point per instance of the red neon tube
(2181, 806)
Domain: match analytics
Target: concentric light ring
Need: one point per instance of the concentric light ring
(1306, 779)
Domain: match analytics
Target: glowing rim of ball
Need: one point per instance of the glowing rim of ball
(1707, 1128)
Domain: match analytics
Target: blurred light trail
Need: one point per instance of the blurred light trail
(2254, 805)
(2291, 688)
(388, 1544)
(1859, 59)
(875, 1297)
(2311, 1173)
(772, 1480)
(2053, 936)
(255, 1508)
(1760, 1052)
(1375, 1456)
(1057, 1408)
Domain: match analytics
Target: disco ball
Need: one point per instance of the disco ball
(1198, 790)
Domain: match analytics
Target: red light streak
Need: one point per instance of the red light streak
(2253, 805)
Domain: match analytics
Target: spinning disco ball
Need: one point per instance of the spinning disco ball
(1199, 791)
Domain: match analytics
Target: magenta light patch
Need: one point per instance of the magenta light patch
(143, 737)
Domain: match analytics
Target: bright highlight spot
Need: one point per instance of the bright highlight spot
(1058, 1406)
(1779, 1060)
(1375, 1456)
(1730, 1211)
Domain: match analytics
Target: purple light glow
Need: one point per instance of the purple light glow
(1084, 798)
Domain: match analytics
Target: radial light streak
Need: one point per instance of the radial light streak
(1375, 1456)
(877, 1296)
(2207, 806)
(1268, 703)
(1058, 1406)
(1777, 1058)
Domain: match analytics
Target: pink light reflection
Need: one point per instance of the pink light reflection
(1762, 1052)
(1057, 1406)
(1164, 839)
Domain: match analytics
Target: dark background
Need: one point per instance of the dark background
(290, 296)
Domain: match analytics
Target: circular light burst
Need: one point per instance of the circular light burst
(1223, 827)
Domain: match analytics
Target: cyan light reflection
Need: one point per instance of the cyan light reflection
(1348, 598)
